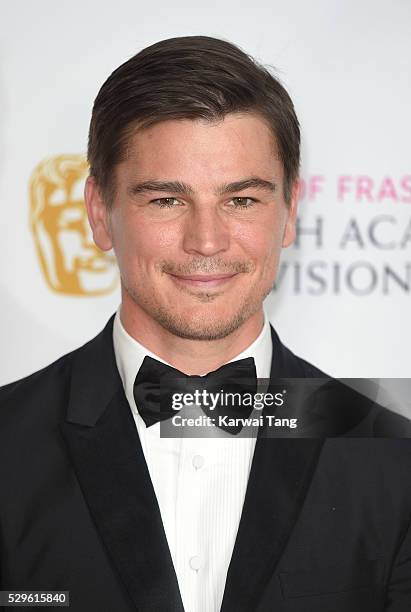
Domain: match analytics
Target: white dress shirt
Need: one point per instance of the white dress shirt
(200, 483)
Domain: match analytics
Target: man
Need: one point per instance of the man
(194, 157)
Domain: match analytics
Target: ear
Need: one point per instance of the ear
(289, 230)
(98, 215)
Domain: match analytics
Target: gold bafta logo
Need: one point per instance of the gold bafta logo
(71, 262)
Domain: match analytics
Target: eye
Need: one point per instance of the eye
(165, 202)
(243, 202)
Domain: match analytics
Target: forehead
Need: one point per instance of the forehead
(218, 150)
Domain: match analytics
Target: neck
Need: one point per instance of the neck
(193, 357)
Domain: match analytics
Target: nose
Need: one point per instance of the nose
(205, 232)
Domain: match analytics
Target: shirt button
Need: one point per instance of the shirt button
(198, 461)
(195, 563)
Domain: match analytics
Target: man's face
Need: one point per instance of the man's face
(197, 252)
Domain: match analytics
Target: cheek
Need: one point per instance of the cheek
(140, 242)
(261, 242)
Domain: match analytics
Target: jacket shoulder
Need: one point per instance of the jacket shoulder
(286, 364)
(57, 371)
(36, 393)
(41, 397)
(307, 369)
(34, 381)
(337, 408)
(310, 370)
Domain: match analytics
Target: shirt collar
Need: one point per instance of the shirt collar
(130, 353)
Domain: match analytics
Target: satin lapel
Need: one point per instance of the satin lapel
(280, 476)
(109, 462)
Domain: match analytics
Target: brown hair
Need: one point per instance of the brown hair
(189, 77)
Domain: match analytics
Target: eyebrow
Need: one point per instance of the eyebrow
(253, 182)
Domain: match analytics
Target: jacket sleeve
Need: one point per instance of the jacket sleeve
(399, 586)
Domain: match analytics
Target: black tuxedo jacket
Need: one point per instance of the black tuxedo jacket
(325, 524)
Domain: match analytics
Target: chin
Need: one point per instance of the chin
(201, 324)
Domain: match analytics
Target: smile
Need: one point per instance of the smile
(204, 281)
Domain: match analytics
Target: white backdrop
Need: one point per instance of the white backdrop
(343, 294)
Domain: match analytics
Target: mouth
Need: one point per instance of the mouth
(203, 281)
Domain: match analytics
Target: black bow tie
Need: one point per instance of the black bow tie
(157, 383)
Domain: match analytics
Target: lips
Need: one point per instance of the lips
(203, 280)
